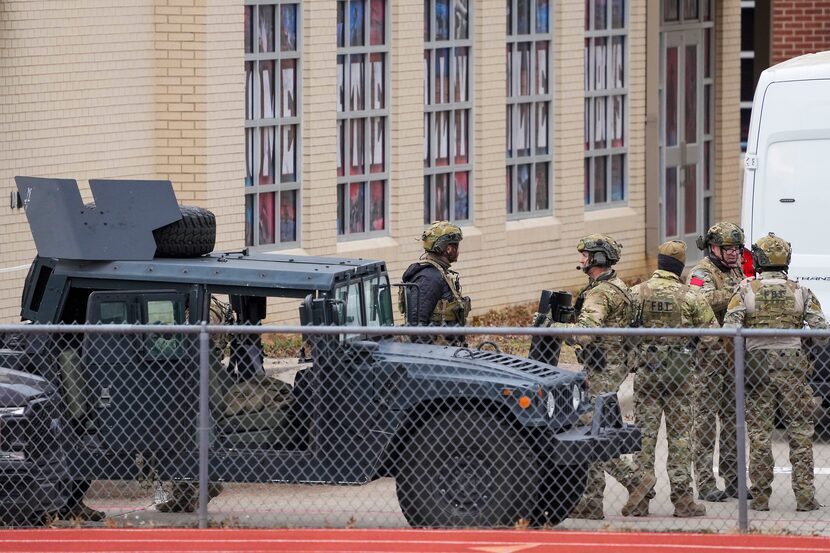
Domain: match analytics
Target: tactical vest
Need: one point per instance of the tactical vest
(614, 348)
(454, 311)
(774, 303)
(661, 307)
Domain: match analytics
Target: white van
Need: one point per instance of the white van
(786, 182)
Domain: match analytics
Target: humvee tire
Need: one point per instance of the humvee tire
(562, 487)
(192, 236)
(467, 469)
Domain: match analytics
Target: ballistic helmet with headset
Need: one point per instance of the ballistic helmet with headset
(603, 250)
(439, 235)
(771, 253)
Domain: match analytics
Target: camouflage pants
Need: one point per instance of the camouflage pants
(653, 398)
(780, 380)
(622, 469)
(715, 400)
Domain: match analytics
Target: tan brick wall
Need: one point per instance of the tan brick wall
(728, 174)
(155, 89)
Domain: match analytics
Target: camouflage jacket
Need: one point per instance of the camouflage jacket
(716, 285)
(694, 310)
(744, 300)
(605, 302)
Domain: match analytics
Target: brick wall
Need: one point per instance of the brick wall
(799, 27)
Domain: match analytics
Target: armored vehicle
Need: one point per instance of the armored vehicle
(473, 437)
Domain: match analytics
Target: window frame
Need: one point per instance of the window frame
(513, 161)
(591, 93)
(345, 181)
(255, 190)
(431, 171)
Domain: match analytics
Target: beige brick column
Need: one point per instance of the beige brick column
(728, 169)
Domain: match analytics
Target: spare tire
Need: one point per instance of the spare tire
(193, 235)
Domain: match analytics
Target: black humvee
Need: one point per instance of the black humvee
(473, 437)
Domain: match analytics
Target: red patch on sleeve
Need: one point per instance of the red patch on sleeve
(696, 281)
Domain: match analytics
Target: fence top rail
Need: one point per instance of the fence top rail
(404, 330)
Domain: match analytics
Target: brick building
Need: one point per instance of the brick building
(341, 127)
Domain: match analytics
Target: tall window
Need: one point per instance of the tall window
(528, 106)
(272, 122)
(448, 109)
(362, 117)
(606, 101)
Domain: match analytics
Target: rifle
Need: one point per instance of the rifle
(554, 307)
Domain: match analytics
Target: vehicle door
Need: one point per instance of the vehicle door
(142, 388)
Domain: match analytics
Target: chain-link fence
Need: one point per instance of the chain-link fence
(266, 426)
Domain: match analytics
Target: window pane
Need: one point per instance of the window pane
(617, 121)
(249, 29)
(707, 160)
(342, 214)
(356, 207)
(266, 218)
(691, 95)
(356, 69)
(288, 155)
(542, 170)
(690, 9)
(588, 65)
(542, 132)
(341, 83)
(671, 201)
(509, 18)
(706, 6)
(356, 22)
(671, 96)
(264, 108)
(600, 63)
(509, 189)
(288, 216)
(249, 157)
(376, 159)
(600, 15)
(249, 90)
(288, 28)
(442, 76)
(510, 110)
(341, 147)
(288, 78)
(671, 10)
(442, 196)
(427, 140)
(377, 23)
(377, 205)
(266, 28)
(600, 179)
(523, 51)
(427, 20)
(587, 112)
(442, 138)
(357, 145)
(617, 178)
(707, 109)
(427, 200)
(707, 53)
(599, 122)
(617, 14)
(541, 67)
(461, 136)
(461, 19)
(462, 199)
(617, 62)
(249, 219)
(442, 19)
(523, 134)
(523, 188)
(542, 16)
(690, 199)
(461, 73)
(586, 174)
(341, 17)
(523, 17)
(267, 145)
(377, 80)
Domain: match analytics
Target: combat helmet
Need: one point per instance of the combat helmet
(771, 252)
(604, 250)
(440, 234)
(722, 234)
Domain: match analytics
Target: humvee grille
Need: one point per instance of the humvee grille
(525, 365)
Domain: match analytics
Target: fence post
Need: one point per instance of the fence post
(204, 423)
(740, 429)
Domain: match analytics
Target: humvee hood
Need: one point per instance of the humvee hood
(18, 388)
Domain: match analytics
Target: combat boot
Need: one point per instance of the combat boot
(635, 510)
(686, 507)
(808, 505)
(731, 491)
(591, 510)
(713, 495)
(759, 504)
(643, 491)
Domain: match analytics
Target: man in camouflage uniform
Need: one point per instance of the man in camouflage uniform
(432, 296)
(604, 302)
(777, 372)
(665, 373)
(717, 275)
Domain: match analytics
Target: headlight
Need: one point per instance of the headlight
(576, 396)
(11, 411)
(551, 404)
